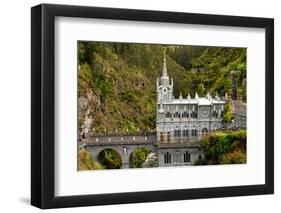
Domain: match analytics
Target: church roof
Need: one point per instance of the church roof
(199, 101)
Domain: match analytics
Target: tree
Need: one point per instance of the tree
(139, 156)
(225, 147)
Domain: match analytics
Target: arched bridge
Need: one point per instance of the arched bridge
(122, 144)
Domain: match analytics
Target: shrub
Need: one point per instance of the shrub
(225, 147)
(228, 115)
(139, 156)
(86, 162)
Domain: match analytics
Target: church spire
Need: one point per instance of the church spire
(165, 74)
(164, 78)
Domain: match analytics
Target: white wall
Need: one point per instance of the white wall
(15, 105)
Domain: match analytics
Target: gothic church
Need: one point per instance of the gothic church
(185, 119)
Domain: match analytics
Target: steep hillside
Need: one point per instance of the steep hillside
(215, 65)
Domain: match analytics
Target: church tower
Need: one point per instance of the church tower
(164, 86)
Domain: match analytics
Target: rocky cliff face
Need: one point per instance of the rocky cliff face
(88, 108)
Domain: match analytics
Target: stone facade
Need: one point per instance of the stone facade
(179, 155)
(185, 119)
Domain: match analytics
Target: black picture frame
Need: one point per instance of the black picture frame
(43, 105)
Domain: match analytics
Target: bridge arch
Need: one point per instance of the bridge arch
(123, 145)
(110, 158)
(138, 155)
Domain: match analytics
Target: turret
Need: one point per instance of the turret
(196, 95)
(180, 96)
(208, 96)
(157, 82)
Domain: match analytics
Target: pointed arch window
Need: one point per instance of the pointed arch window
(168, 136)
(177, 115)
(185, 115)
(168, 115)
(161, 136)
(177, 133)
(167, 158)
(194, 132)
(186, 157)
(215, 114)
(185, 133)
(193, 114)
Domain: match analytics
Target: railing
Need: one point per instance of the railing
(124, 139)
(92, 134)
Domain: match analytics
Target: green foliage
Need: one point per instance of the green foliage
(85, 79)
(110, 159)
(201, 89)
(104, 87)
(228, 115)
(225, 147)
(214, 65)
(139, 156)
(86, 162)
(128, 97)
(235, 157)
(184, 55)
